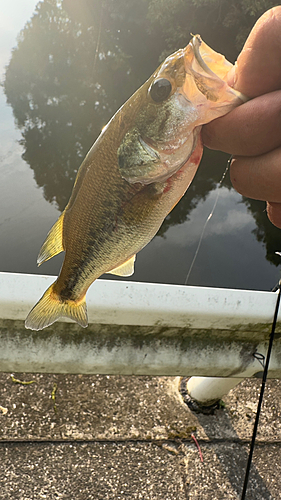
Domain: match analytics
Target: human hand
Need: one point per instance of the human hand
(252, 132)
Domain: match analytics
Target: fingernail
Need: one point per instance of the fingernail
(232, 76)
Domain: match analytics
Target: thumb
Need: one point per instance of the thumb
(257, 70)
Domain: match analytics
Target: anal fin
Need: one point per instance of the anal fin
(126, 269)
(53, 243)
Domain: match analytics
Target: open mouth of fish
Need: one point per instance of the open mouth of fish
(212, 63)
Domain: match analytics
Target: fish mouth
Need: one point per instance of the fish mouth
(210, 61)
(206, 70)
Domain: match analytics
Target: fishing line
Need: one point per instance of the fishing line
(98, 39)
(207, 220)
(265, 371)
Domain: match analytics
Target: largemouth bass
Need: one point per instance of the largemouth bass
(135, 173)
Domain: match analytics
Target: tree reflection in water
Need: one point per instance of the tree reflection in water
(77, 62)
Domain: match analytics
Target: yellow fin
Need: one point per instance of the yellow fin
(51, 307)
(126, 269)
(53, 243)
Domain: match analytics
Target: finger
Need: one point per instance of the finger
(242, 132)
(274, 213)
(258, 177)
(258, 67)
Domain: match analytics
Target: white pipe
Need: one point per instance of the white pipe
(207, 390)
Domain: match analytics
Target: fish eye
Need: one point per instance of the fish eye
(160, 90)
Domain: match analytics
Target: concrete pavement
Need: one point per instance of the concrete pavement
(118, 437)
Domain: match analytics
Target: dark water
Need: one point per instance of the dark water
(74, 64)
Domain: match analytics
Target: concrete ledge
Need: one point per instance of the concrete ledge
(141, 328)
(146, 304)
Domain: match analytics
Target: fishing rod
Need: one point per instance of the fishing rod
(271, 338)
(265, 372)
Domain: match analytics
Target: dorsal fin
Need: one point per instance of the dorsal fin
(53, 243)
(126, 269)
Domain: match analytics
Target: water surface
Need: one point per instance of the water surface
(72, 68)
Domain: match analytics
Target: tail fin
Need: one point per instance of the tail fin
(51, 307)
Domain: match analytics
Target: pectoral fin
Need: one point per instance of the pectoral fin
(126, 269)
(53, 243)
